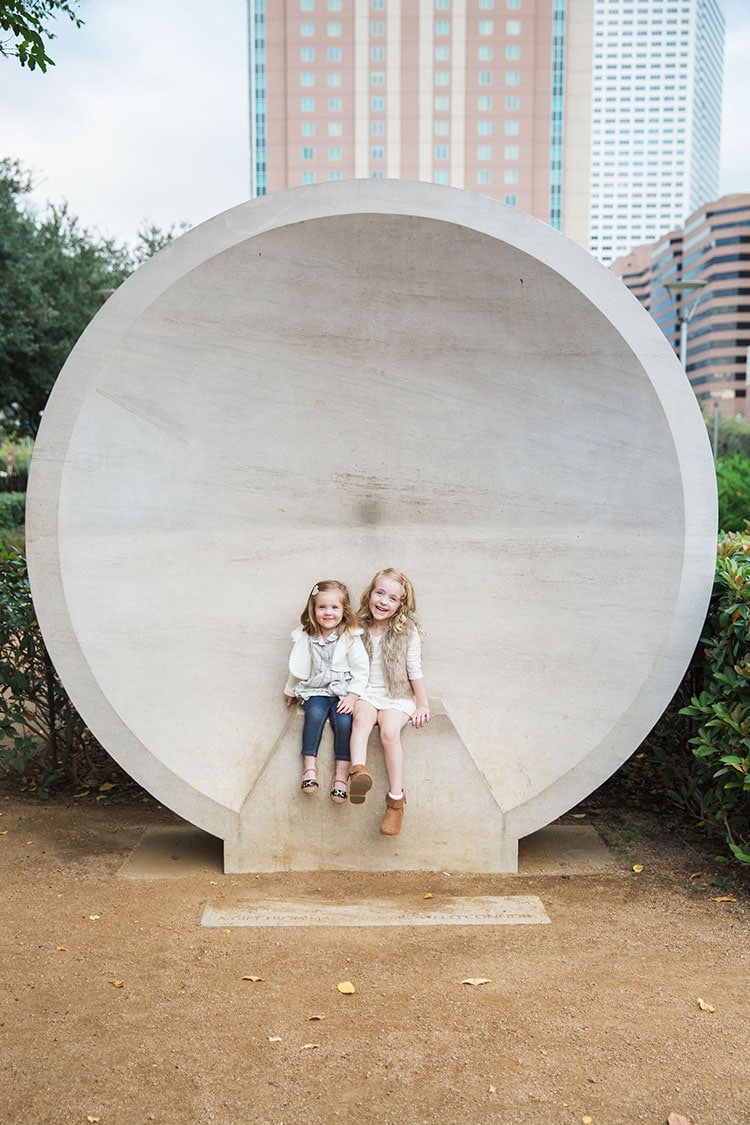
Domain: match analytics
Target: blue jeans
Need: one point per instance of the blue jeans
(318, 708)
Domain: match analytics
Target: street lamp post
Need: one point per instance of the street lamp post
(679, 291)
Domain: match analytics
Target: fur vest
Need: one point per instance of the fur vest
(393, 648)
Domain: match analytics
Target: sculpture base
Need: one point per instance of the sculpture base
(452, 821)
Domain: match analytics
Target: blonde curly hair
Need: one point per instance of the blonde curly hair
(406, 614)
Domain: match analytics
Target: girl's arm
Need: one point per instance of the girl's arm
(422, 713)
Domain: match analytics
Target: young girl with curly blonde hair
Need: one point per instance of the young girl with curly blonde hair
(395, 693)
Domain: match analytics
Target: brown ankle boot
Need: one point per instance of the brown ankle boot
(394, 815)
(360, 783)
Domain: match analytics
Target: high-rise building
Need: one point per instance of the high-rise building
(489, 95)
(656, 121)
(696, 281)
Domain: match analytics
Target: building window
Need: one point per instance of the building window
(377, 5)
(485, 78)
(484, 104)
(333, 30)
(484, 152)
(441, 176)
(307, 78)
(484, 176)
(335, 152)
(334, 105)
(441, 152)
(307, 54)
(442, 5)
(334, 54)
(377, 54)
(486, 5)
(307, 5)
(512, 128)
(377, 103)
(512, 78)
(377, 27)
(511, 152)
(486, 27)
(308, 153)
(442, 78)
(377, 175)
(308, 177)
(513, 53)
(308, 128)
(512, 101)
(442, 128)
(307, 30)
(307, 105)
(486, 52)
(334, 5)
(377, 128)
(512, 200)
(377, 78)
(442, 27)
(484, 128)
(377, 152)
(334, 77)
(442, 103)
(512, 27)
(335, 175)
(335, 128)
(510, 176)
(442, 54)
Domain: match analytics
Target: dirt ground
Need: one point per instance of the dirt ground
(118, 1007)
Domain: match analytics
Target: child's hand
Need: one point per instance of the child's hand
(290, 699)
(346, 705)
(420, 717)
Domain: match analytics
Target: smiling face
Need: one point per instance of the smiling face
(329, 610)
(386, 599)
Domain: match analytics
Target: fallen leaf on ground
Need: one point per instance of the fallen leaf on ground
(309, 1046)
(85, 793)
(578, 815)
(61, 949)
(106, 786)
(274, 1038)
(493, 1090)
(638, 867)
(587, 1121)
(428, 896)
(678, 1119)
(117, 983)
(704, 1007)
(696, 875)
(252, 978)
(723, 898)
(4, 832)
(102, 797)
(316, 1017)
(346, 987)
(476, 980)
(90, 1117)
(94, 917)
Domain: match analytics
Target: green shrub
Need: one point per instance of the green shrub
(12, 510)
(717, 782)
(733, 483)
(40, 730)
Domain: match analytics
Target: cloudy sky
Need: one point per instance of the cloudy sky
(144, 118)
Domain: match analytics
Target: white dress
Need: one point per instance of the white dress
(376, 693)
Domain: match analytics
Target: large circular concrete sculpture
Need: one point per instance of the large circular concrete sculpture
(345, 377)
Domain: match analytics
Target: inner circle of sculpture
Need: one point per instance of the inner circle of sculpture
(345, 377)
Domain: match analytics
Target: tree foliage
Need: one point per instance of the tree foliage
(733, 483)
(27, 24)
(54, 275)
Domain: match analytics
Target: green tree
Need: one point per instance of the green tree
(54, 275)
(28, 27)
(733, 483)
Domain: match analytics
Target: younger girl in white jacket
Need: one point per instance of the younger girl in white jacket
(328, 671)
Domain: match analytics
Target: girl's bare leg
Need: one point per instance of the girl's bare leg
(391, 724)
(364, 719)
